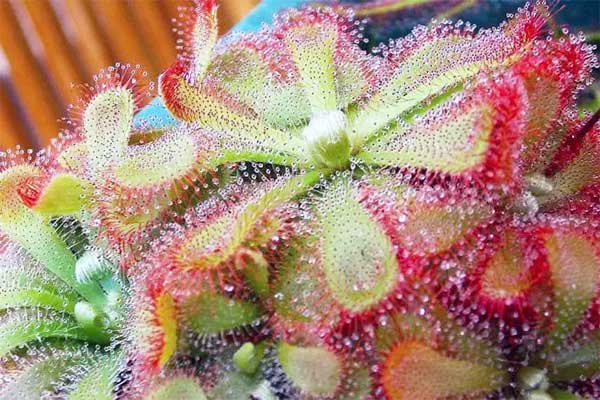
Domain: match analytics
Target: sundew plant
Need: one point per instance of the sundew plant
(419, 221)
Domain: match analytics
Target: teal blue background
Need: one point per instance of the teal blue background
(263, 13)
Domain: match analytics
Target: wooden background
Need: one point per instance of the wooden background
(46, 46)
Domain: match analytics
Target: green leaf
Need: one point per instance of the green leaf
(421, 75)
(558, 394)
(256, 271)
(165, 159)
(357, 257)
(432, 220)
(239, 386)
(297, 286)
(31, 231)
(65, 194)
(575, 269)
(210, 314)
(210, 111)
(476, 137)
(248, 357)
(316, 371)
(237, 150)
(354, 70)
(245, 75)
(579, 172)
(181, 388)
(42, 373)
(24, 283)
(34, 297)
(91, 322)
(18, 328)
(430, 62)
(582, 360)
(107, 122)
(98, 380)
(233, 229)
(183, 153)
(452, 143)
(312, 47)
(43, 243)
(414, 370)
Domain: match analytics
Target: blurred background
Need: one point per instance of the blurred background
(46, 45)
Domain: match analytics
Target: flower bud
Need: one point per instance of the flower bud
(326, 139)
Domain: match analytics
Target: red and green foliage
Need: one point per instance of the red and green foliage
(420, 221)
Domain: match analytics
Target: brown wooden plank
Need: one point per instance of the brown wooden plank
(12, 128)
(231, 11)
(90, 44)
(171, 7)
(58, 53)
(125, 40)
(155, 28)
(30, 83)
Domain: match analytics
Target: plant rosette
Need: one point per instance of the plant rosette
(318, 221)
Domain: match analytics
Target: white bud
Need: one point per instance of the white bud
(326, 139)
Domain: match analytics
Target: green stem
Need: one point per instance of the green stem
(91, 321)
(44, 244)
(563, 395)
(30, 297)
(19, 332)
(233, 156)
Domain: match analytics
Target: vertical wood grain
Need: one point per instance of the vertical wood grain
(77, 39)
(42, 106)
(58, 53)
(12, 127)
(171, 7)
(90, 43)
(156, 30)
(231, 12)
(125, 38)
